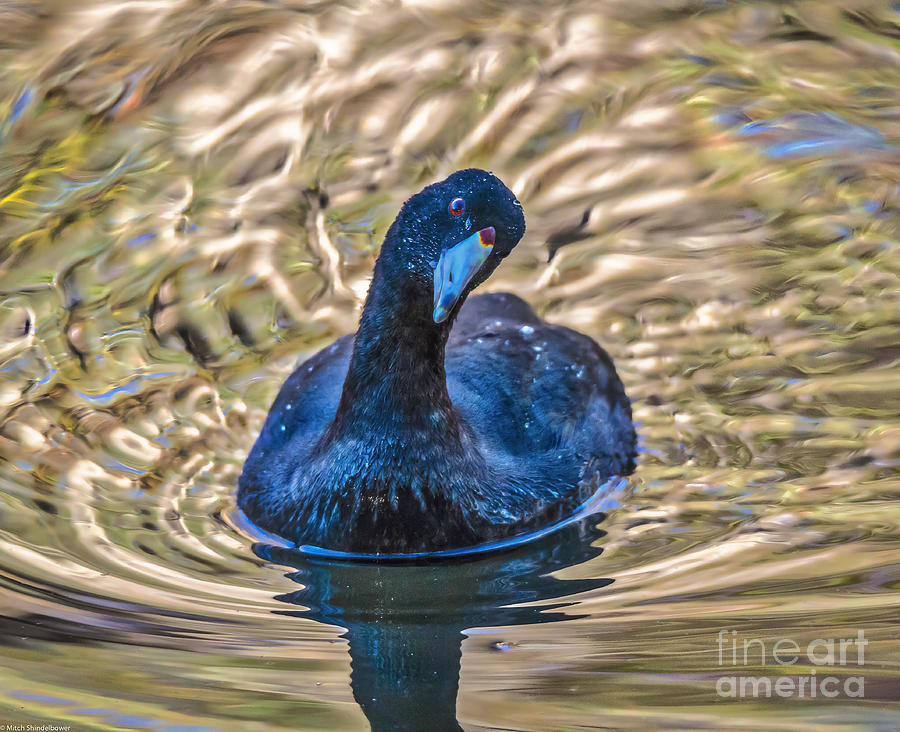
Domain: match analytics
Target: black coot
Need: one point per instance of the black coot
(411, 436)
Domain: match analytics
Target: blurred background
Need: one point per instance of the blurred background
(192, 195)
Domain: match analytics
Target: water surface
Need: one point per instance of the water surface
(191, 199)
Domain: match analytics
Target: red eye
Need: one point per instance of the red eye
(457, 206)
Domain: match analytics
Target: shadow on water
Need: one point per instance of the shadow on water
(405, 622)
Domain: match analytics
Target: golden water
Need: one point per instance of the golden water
(191, 198)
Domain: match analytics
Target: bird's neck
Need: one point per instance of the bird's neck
(396, 389)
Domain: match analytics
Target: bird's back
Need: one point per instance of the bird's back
(539, 394)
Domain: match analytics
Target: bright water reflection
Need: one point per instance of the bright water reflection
(191, 198)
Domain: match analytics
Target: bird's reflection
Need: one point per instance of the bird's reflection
(404, 621)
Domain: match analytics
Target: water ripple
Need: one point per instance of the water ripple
(191, 200)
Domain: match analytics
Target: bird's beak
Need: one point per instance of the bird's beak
(455, 269)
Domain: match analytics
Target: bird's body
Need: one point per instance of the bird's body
(412, 437)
